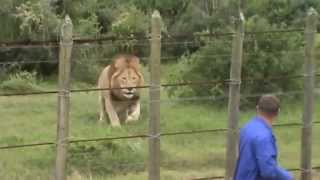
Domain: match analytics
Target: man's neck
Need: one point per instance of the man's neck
(266, 119)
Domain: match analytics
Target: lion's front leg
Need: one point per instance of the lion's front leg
(134, 112)
(112, 114)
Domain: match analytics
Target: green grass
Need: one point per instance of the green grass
(32, 119)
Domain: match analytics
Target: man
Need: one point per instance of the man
(257, 147)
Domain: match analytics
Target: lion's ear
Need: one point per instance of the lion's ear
(134, 62)
(141, 82)
(111, 71)
(118, 63)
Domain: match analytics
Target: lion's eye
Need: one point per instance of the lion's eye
(124, 78)
(134, 78)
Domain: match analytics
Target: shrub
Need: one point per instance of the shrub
(265, 55)
(20, 82)
(200, 66)
(108, 158)
(88, 27)
(38, 21)
(130, 21)
(86, 70)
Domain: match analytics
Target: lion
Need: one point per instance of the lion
(122, 103)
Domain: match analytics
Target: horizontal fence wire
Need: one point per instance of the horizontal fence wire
(29, 62)
(187, 132)
(76, 40)
(136, 44)
(290, 169)
(169, 44)
(177, 84)
(109, 59)
(220, 97)
(55, 61)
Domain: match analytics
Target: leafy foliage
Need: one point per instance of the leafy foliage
(20, 82)
(88, 27)
(120, 157)
(130, 21)
(37, 19)
(265, 56)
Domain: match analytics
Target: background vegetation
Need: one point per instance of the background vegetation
(32, 119)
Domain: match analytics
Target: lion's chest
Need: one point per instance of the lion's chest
(125, 108)
(122, 105)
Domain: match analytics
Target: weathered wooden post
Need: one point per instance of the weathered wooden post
(309, 81)
(66, 43)
(154, 124)
(234, 97)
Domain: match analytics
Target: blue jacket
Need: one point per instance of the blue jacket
(258, 153)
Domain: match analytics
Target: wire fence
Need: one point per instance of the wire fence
(139, 136)
(314, 172)
(101, 40)
(55, 61)
(77, 40)
(179, 84)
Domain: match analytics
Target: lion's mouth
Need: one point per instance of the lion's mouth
(129, 94)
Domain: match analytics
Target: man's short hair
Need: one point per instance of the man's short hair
(269, 104)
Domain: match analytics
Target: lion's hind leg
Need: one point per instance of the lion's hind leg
(103, 113)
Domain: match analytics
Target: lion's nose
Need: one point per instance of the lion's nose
(130, 89)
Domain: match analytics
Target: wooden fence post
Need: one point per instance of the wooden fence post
(309, 81)
(234, 97)
(154, 124)
(63, 98)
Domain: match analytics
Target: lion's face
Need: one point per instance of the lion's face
(126, 77)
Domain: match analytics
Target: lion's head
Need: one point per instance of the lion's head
(125, 74)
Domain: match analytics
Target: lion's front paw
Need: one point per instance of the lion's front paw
(115, 123)
(132, 118)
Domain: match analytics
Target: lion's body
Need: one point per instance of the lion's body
(123, 104)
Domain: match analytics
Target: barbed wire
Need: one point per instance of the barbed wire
(208, 178)
(76, 40)
(177, 84)
(225, 96)
(216, 98)
(275, 31)
(220, 97)
(186, 132)
(29, 62)
(132, 44)
(54, 61)
(193, 43)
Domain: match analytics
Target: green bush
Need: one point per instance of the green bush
(88, 27)
(38, 21)
(86, 70)
(85, 67)
(109, 157)
(265, 56)
(129, 21)
(20, 82)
